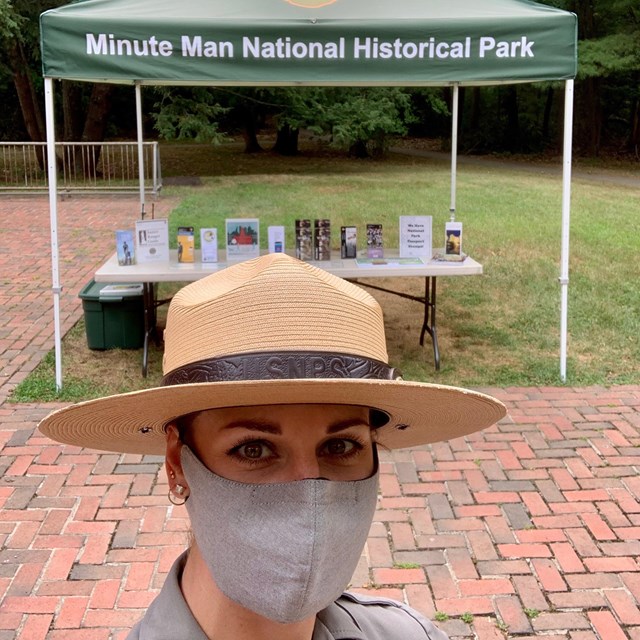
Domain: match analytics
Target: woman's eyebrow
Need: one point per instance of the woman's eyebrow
(262, 426)
(345, 424)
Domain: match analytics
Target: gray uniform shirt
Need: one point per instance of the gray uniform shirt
(350, 617)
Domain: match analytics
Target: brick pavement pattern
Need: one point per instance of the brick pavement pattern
(527, 530)
(86, 238)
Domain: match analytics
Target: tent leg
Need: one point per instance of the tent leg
(140, 145)
(566, 212)
(454, 150)
(53, 215)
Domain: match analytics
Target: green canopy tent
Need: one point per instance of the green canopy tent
(312, 43)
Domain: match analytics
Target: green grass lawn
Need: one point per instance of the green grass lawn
(498, 329)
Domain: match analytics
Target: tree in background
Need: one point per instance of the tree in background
(517, 118)
(360, 120)
(608, 87)
(85, 107)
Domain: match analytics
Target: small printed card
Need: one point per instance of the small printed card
(125, 248)
(375, 246)
(186, 244)
(304, 240)
(243, 238)
(152, 240)
(389, 262)
(276, 239)
(453, 239)
(415, 237)
(209, 245)
(348, 242)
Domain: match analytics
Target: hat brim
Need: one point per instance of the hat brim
(419, 413)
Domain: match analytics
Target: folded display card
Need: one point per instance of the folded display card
(415, 237)
(209, 245)
(152, 240)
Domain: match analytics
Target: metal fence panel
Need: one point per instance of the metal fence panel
(89, 167)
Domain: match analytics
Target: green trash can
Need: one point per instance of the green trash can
(113, 315)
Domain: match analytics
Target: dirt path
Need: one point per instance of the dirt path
(611, 176)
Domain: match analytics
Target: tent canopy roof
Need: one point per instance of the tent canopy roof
(308, 42)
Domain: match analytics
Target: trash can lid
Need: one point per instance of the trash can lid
(122, 289)
(95, 290)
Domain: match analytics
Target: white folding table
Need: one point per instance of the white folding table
(173, 271)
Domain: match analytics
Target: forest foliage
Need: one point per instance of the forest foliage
(525, 118)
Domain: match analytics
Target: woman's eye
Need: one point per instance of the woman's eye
(341, 447)
(253, 451)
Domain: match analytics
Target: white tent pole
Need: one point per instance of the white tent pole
(566, 211)
(140, 145)
(53, 214)
(454, 150)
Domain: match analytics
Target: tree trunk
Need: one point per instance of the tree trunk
(95, 125)
(359, 149)
(590, 116)
(249, 129)
(287, 141)
(71, 111)
(546, 118)
(476, 109)
(513, 125)
(634, 129)
(29, 102)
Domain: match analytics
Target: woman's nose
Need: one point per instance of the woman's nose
(304, 468)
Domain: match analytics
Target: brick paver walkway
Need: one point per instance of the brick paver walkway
(530, 529)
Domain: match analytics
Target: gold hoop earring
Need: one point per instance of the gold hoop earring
(181, 499)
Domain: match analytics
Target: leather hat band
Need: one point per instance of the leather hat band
(284, 365)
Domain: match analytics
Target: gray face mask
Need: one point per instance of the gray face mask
(283, 550)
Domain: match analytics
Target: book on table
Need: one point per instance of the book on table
(304, 240)
(322, 239)
(348, 242)
(375, 245)
(186, 244)
(125, 248)
(243, 238)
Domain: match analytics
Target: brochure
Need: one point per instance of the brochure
(276, 239)
(209, 245)
(304, 240)
(322, 239)
(152, 240)
(186, 244)
(348, 242)
(125, 248)
(243, 238)
(374, 241)
(453, 238)
(415, 236)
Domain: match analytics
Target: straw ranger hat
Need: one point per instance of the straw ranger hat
(274, 331)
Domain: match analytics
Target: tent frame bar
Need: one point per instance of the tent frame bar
(52, 174)
(140, 136)
(566, 215)
(454, 148)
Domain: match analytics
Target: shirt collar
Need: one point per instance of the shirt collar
(169, 616)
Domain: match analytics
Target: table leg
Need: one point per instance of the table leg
(429, 303)
(429, 321)
(148, 297)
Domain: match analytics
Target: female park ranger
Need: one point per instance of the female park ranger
(276, 397)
